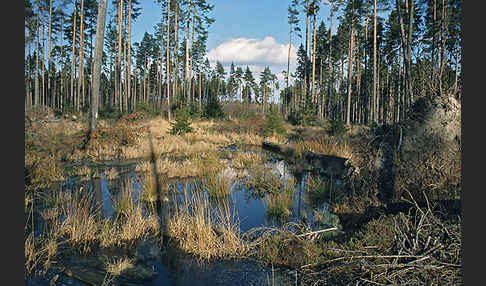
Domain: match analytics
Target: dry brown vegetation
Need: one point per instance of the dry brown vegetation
(204, 234)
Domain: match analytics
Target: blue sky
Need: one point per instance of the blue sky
(248, 32)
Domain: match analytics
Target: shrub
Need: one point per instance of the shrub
(182, 124)
(213, 109)
(274, 124)
(337, 128)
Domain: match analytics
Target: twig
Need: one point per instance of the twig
(318, 231)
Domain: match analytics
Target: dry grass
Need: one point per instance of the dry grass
(280, 205)
(44, 171)
(323, 145)
(116, 266)
(193, 226)
(217, 185)
(80, 224)
(31, 254)
(261, 180)
(246, 160)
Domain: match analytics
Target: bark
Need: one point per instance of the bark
(288, 67)
(168, 59)
(49, 57)
(191, 54)
(314, 60)
(118, 64)
(373, 110)
(186, 73)
(306, 48)
(350, 69)
(95, 90)
(330, 78)
(405, 44)
(129, 62)
(81, 55)
(36, 76)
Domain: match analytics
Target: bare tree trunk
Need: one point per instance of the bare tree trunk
(129, 65)
(118, 73)
(49, 94)
(405, 44)
(314, 60)
(168, 59)
(330, 78)
(176, 41)
(43, 90)
(191, 53)
(373, 110)
(36, 76)
(350, 69)
(81, 54)
(186, 73)
(306, 49)
(95, 90)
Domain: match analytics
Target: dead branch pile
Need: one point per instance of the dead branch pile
(427, 250)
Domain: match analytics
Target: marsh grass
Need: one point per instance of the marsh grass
(203, 233)
(149, 188)
(79, 223)
(246, 160)
(328, 146)
(280, 205)
(116, 266)
(218, 186)
(319, 190)
(44, 171)
(261, 180)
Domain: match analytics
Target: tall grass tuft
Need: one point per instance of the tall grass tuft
(218, 186)
(280, 205)
(203, 233)
(80, 224)
(323, 145)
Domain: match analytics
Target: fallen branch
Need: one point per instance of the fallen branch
(317, 231)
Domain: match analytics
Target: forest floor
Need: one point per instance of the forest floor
(400, 241)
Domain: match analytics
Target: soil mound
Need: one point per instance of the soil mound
(420, 155)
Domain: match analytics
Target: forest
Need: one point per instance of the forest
(351, 163)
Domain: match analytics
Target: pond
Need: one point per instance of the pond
(250, 209)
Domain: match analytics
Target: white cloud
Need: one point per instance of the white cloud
(252, 51)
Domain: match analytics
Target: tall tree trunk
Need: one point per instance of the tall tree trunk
(81, 55)
(36, 76)
(409, 46)
(73, 55)
(306, 49)
(129, 61)
(405, 48)
(350, 68)
(49, 94)
(118, 64)
(314, 60)
(186, 72)
(176, 42)
(288, 68)
(373, 110)
(43, 67)
(331, 73)
(95, 90)
(168, 59)
(192, 51)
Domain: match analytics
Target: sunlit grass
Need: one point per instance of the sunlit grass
(217, 185)
(280, 205)
(327, 146)
(193, 226)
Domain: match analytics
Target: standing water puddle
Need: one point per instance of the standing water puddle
(249, 210)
